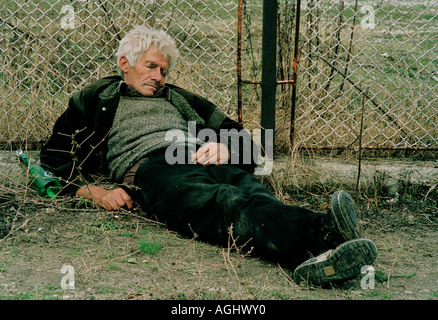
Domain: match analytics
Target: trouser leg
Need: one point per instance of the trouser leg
(208, 200)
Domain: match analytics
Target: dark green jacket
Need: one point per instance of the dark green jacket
(78, 144)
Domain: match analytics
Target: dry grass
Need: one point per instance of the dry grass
(123, 255)
(105, 247)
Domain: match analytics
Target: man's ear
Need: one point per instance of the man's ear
(124, 64)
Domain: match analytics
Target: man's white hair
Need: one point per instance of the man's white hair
(138, 40)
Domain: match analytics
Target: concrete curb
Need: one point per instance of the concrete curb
(10, 168)
(305, 172)
(390, 174)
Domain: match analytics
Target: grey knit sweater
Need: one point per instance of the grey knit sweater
(140, 126)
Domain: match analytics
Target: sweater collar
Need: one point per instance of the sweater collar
(175, 98)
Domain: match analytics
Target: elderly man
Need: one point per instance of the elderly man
(121, 125)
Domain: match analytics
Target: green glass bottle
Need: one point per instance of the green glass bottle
(41, 180)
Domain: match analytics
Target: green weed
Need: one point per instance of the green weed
(148, 247)
(382, 276)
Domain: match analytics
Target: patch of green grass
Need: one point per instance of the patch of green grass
(108, 290)
(113, 267)
(272, 294)
(377, 294)
(382, 276)
(149, 247)
(85, 203)
(20, 296)
(48, 292)
(105, 225)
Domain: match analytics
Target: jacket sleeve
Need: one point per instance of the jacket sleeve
(59, 154)
(76, 147)
(243, 150)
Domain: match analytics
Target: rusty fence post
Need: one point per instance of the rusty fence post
(295, 74)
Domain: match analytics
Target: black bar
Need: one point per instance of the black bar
(269, 67)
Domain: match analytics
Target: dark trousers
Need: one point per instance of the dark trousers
(206, 201)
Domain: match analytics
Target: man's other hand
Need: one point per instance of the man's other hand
(107, 199)
(211, 153)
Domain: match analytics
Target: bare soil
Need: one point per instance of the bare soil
(122, 255)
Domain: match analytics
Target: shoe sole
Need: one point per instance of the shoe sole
(343, 263)
(345, 215)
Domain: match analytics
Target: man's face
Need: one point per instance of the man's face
(148, 74)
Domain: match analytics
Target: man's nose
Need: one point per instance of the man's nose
(156, 75)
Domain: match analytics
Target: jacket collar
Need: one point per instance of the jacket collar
(126, 90)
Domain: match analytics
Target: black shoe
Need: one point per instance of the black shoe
(341, 223)
(344, 262)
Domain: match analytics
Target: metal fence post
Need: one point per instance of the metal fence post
(295, 74)
(269, 68)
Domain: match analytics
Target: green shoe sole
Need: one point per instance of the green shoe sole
(344, 262)
(345, 215)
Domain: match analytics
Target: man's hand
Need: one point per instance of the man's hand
(107, 199)
(211, 153)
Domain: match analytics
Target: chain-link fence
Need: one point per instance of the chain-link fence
(51, 48)
(367, 70)
(379, 58)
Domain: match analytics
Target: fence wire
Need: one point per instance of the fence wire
(52, 48)
(364, 66)
(379, 58)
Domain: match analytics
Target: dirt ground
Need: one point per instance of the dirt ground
(122, 255)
